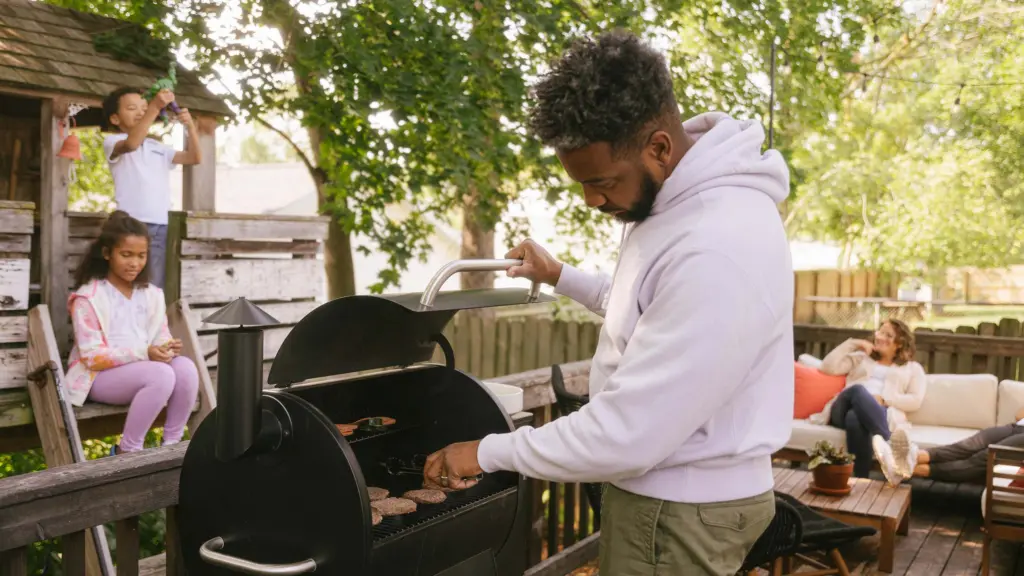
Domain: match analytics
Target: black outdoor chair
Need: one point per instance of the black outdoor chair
(822, 534)
(779, 540)
(568, 403)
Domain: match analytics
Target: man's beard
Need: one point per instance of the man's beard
(641, 209)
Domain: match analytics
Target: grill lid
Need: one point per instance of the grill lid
(364, 332)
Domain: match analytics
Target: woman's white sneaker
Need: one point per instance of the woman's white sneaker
(884, 455)
(904, 452)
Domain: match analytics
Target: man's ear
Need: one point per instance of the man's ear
(659, 147)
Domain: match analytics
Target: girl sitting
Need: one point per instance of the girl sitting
(883, 383)
(123, 352)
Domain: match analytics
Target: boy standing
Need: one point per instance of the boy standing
(141, 165)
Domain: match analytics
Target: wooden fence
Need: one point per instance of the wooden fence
(15, 266)
(845, 283)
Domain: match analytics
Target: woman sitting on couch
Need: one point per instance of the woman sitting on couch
(883, 383)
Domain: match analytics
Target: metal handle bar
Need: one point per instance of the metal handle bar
(208, 552)
(471, 265)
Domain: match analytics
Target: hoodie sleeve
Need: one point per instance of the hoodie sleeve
(587, 289)
(163, 333)
(683, 362)
(92, 344)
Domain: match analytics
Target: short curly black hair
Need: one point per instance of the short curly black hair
(613, 88)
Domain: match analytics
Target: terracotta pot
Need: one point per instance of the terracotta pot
(833, 476)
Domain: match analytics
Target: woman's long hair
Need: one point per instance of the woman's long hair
(94, 266)
(906, 349)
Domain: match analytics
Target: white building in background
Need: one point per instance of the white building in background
(286, 188)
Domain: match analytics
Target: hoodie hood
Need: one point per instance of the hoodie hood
(726, 153)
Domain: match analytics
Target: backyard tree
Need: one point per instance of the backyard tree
(422, 104)
(922, 168)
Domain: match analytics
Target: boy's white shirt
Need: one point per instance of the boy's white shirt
(142, 185)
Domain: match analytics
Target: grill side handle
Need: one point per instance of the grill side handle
(209, 552)
(470, 265)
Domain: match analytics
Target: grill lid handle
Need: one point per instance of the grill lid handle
(470, 265)
(208, 552)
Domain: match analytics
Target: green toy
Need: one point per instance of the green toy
(166, 83)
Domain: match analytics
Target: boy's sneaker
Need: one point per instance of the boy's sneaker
(884, 455)
(904, 451)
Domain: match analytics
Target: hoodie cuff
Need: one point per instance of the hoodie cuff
(578, 285)
(496, 452)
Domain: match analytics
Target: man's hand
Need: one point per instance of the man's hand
(538, 265)
(160, 354)
(455, 467)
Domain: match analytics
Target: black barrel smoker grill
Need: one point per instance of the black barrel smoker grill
(269, 485)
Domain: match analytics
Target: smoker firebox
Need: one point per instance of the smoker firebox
(271, 485)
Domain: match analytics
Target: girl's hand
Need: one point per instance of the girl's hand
(174, 345)
(160, 354)
(880, 400)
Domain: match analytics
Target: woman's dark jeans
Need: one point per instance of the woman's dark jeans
(856, 411)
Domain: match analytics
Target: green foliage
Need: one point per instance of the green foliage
(93, 188)
(825, 453)
(919, 176)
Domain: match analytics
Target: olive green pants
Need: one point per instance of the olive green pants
(642, 536)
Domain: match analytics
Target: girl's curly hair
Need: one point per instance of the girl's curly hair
(613, 88)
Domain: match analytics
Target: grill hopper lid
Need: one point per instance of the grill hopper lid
(364, 332)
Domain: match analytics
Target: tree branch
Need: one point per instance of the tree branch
(313, 170)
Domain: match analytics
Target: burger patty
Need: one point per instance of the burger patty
(425, 496)
(394, 506)
(377, 493)
(376, 517)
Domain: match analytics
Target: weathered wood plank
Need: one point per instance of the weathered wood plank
(273, 338)
(14, 283)
(226, 247)
(249, 226)
(284, 312)
(127, 533)
(13, 329)
(178, 321)
(220, 281)
(14, 562)
(15, 243)
(13, 367)
(53, 220)
(85, 224)
(16, 221)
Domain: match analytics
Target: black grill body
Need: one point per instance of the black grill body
(299, 491)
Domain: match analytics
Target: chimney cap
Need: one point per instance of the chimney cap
(241, 312)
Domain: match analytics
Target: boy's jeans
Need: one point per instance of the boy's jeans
(157, 253)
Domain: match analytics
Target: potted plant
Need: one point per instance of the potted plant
(830, 466)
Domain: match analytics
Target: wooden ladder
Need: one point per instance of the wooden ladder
(55, 415)
(55, 420)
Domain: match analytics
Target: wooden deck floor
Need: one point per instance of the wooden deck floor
(944, 538)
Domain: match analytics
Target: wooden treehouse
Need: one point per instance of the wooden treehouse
(48, 68)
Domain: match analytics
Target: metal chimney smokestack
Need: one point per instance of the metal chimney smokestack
(239, 376)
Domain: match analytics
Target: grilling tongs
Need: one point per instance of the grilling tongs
(397, 467)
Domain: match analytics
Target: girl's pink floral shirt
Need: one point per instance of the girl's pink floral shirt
(91, 353)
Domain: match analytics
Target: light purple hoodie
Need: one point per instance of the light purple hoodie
(692, 382)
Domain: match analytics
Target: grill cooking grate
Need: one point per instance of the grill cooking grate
(395, 525)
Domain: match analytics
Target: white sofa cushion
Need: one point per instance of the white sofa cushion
(1004, 496)
(958, 400)
(1011, 399)
(805, 435)
(809, 361)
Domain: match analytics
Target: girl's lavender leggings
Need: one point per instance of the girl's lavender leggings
(149, 386)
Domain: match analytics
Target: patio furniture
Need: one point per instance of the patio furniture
(870, 503)
(1002, 504)
(568, 403)
(779, 541)
(822, 534)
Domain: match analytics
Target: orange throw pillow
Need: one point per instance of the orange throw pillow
(814, 389)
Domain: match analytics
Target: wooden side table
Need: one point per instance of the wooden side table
(870, 503)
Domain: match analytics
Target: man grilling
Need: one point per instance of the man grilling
(691, 385)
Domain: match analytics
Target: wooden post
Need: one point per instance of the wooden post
(53, 221)
(199, 185)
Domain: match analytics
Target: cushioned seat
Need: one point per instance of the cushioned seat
(1000, 496)
(805, 434)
